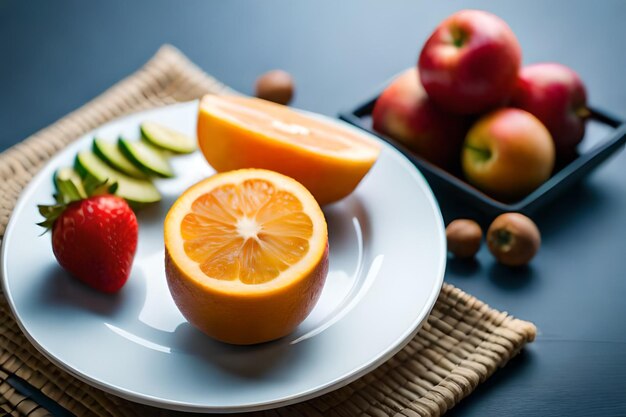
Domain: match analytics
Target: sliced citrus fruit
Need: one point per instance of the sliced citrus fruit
(239, 132)
(246, 255)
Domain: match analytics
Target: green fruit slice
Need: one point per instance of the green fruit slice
(166, 138)
(111, 154)
(150, 159)
(134, 190)
(62, 175)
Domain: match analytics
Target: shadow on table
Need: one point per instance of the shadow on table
(511, 278)
(560, 213)
(563, 212)
(501, 377)
(463, 267)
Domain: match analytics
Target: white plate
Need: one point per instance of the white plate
(387, 261)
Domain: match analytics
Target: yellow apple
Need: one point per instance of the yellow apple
(508, 153)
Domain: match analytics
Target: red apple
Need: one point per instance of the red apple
(555, 95)
(470, 63)
(405, 113)
(508, 153)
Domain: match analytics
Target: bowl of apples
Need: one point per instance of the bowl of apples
(501, 136)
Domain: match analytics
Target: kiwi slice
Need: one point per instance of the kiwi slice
(134, 190)
(166, 138)
(146, 156)
(112, 155)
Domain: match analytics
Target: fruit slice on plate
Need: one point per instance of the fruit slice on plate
(166, 138)
(146, 156)
(246, 255)
(134, 190)
(112, 155)
(239, 132)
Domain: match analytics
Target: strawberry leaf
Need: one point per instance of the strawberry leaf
(94, 186)
(113, 188)
(68, 191)
(50, 214)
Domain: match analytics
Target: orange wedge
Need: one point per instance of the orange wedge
(246, 255)
(239, 132)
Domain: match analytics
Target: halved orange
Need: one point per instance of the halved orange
(239, 132)
(246, 255)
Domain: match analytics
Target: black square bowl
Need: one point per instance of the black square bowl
(604, 136)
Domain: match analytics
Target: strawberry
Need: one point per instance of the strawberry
(95, 237)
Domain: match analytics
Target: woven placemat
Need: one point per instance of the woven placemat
(463, 342)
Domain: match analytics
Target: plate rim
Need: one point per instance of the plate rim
(331, 385)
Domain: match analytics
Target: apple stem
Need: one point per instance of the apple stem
(483, 154)
(582, 112)
(459, 36)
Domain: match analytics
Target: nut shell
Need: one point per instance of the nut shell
(513, 239)
(464, 237)
(276, 86)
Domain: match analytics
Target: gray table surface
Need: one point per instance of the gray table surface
(55, 56)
